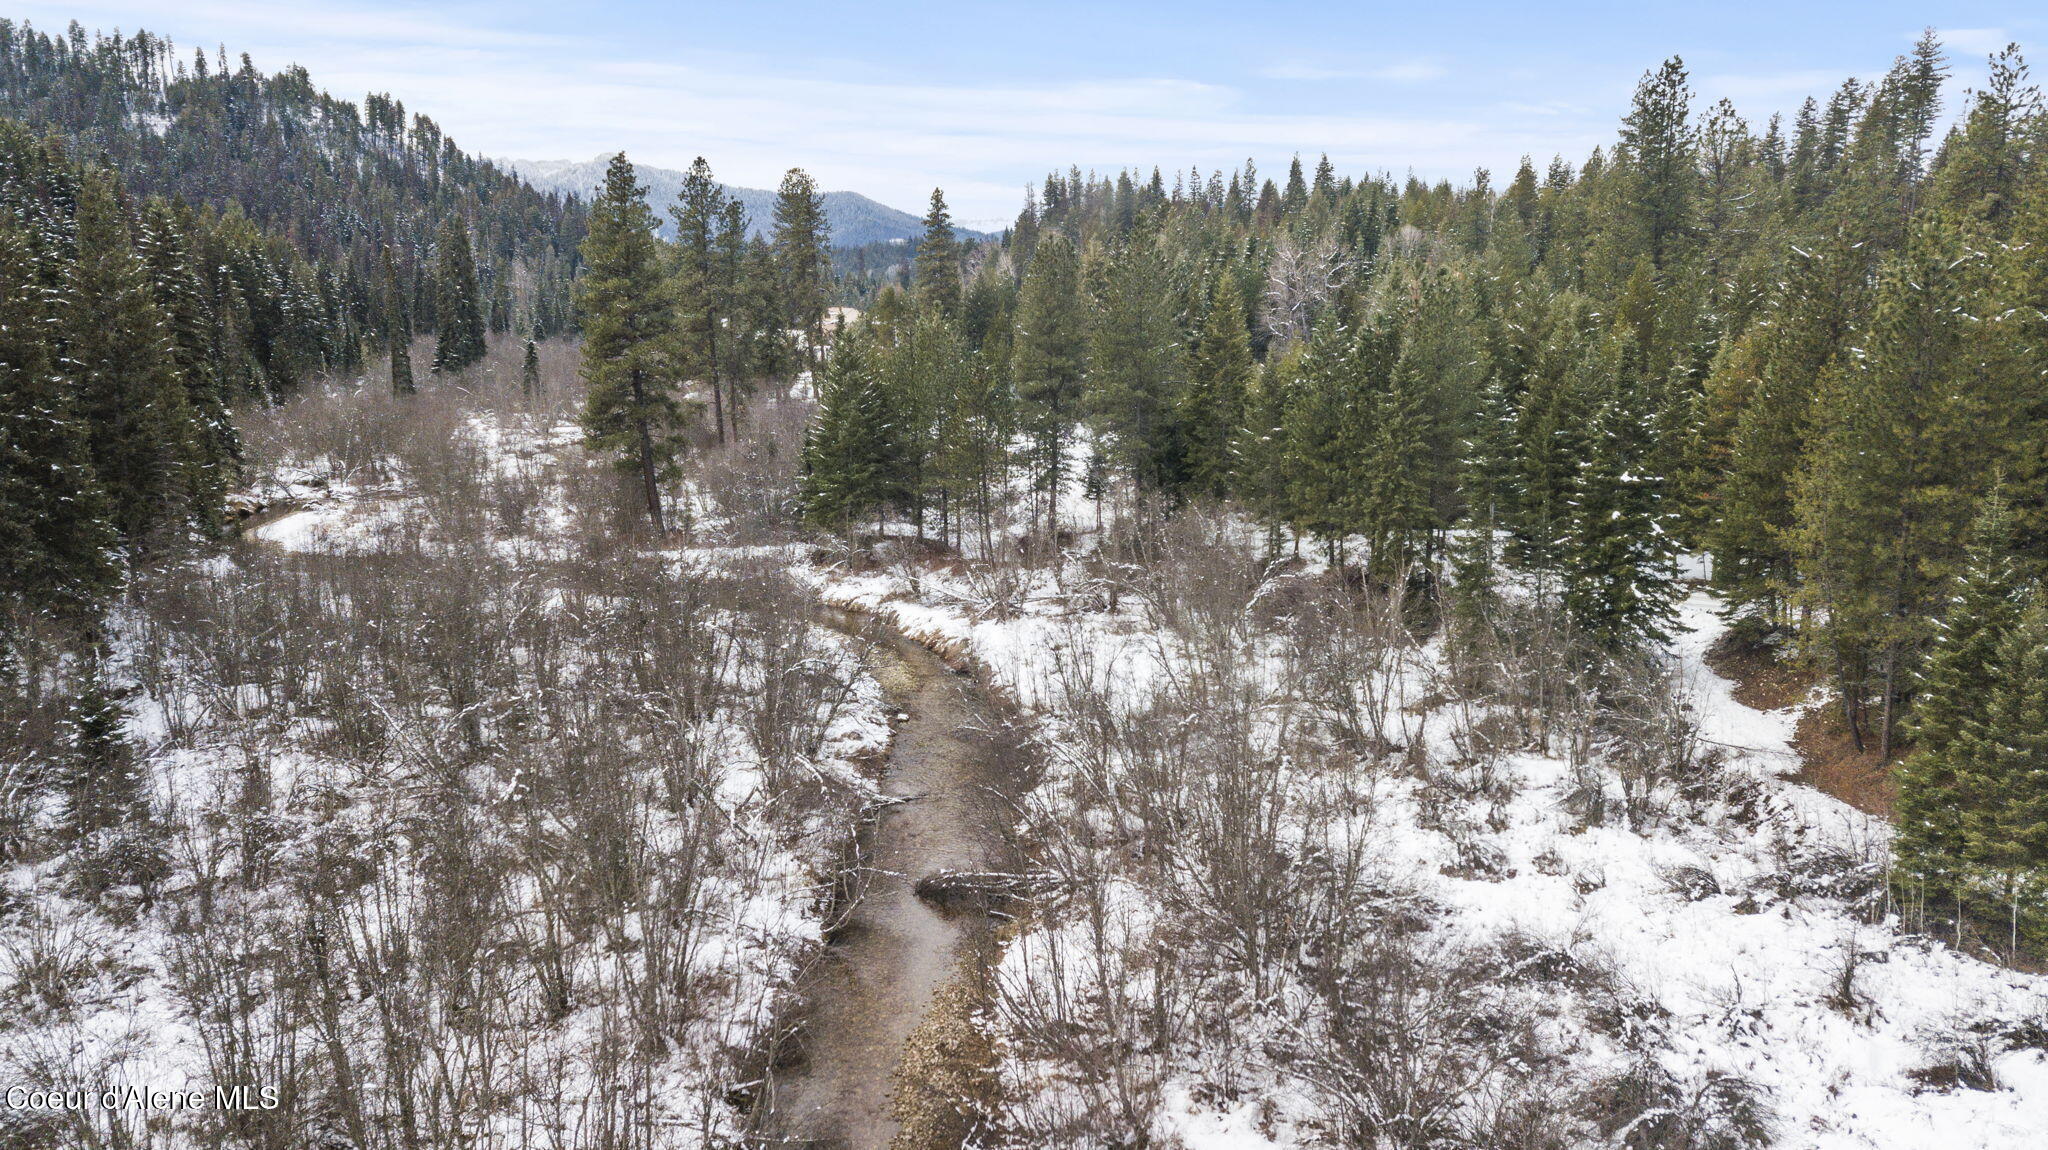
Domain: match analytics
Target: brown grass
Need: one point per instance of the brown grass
(1829, 760)
(1761, 679)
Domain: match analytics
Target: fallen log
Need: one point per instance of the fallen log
(995, 892)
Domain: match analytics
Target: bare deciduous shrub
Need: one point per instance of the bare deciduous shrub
(1648, 1108)
(472, 805)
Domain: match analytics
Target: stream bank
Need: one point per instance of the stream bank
(899, 973)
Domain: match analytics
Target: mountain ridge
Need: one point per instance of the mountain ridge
(854, 219)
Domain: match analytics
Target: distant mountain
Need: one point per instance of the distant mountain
(855, 219)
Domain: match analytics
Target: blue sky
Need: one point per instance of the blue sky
(892, 99)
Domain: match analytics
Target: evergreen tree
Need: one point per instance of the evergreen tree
(803, 259)
(699, 286)
(925, 372)
(1296, 195)
(1399, 470)
(142, 426)
(1979, 182)
(1219, 378)
(1550, 436)
(731, 342)
(1135, 368)
(1657, 153)
(938, 259)
(1962, 671)
(1759, 407)
(1976, 828)
(854, 460)
(217, 449)
(1050, 356)
(1327, 430)
(1885, 492)
(101, 782)
(974, 445)
(458, 323)
(1618, 556)
(56, 541)
(2002, 786)
(398, 329)
(529, 372)
(629, 331)
(1259, 475)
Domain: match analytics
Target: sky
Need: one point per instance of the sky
(983, 99)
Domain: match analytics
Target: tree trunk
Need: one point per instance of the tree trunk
(717, 405)
(1884, 734)
(649, 484)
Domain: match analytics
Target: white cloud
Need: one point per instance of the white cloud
(1973, 41)
(1410, 71)
(502, 92)
(1764, 93)
(1402, 71)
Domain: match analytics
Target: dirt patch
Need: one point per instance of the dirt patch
(1830, 762)
(1761, 679)
(1828, 759)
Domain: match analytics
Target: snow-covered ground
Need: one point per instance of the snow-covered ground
(731, 818)
(1726, 925)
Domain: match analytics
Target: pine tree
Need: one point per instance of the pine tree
(1962, 670)
(803, 259)
(924, 371)
(1327, 431)
(1135, 368)
(1050, 356)
(1550, 436)
(2014, 345)
(1617, 553)
(529, 372)
(629, 330)
(1760, 405)
(56, 541)
(1398, 472)
(763, 348)
(1884, 496)
(1296, 196)
(984, 311)
(854, 461)
(1978, 184)
(732, 342)
(974, 445)
(938, 259)
(1997, 771)
(217, 449)
(397, 329)
(106, 809)
(1657, 152)
(117, 354)
(699, 289)
(1259, 475)
(101, 782)
(458, 324)
(1219, 378)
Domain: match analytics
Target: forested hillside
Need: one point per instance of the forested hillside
(1811, 350)
(342, 181)
(185, 241)
(1241, 660)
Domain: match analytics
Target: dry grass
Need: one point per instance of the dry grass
(1828, 758)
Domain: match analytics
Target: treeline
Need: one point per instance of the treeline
(714, 308)
(1809, 351)
(127, 330)
(346, 183)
